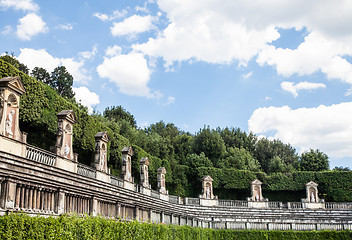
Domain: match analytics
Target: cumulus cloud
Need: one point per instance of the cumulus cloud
(237, 31)
(132, 25)
(327, 128)
(294, 88)
(29, 26)
(130, 73)
(86, 97)
(41, 58)
(24, 5)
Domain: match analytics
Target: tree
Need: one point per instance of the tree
(41, 74)
(278, 165)
(119, 113)
(314, 161)
(14, 62)
(62, 82)
(342, 169)
(210, 143)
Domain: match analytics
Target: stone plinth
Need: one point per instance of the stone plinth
(208, 202)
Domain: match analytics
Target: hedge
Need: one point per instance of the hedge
(22, 226)
(333, 185)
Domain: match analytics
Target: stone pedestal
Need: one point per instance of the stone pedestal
(208, 202)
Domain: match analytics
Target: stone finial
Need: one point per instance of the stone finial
(101, 148)
(256, 190)
(312, 193)
(126, 173)
(144, 176)
(207, 187)
(161, 180)
(11, 88)
(66, 119)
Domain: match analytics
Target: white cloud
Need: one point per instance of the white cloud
(66, 26)
(130, 73)
(237, 31)
(7, 30)
(170, 100)
(24, 5)
(294, 88)
(89, 54)
(113, 51)
(327, 128)
(86, 97)
(41, 58)
(30, 25)
(132, 25)
(115, 15)
(247, 75)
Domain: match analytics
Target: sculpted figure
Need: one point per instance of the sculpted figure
(102, 162)
(9, 122)
(66, 150)
(312, 198)
(208, 193)
(2, 100)
(257, 197)
(59, 136)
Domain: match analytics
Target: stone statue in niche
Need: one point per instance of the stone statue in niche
(146, 175)
(208, 193)
(102, 162)
(312, 198)
(2, 100)
(66, 150)
(9, 123)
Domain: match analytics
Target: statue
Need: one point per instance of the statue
(208, 193)
(257, 197)
(102, 162)
(9, 122)
(146, 175)
(312, 198)
(66, 150)
(59, 136)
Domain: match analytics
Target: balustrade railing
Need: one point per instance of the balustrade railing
(232, 203)
(116, 181)
(192, 201)
(86, 171)
(40, 155)
(155, 194)
(275, 204)
(338, 205)
(173, 199)
(295, 205)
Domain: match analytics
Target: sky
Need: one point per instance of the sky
(277, 68)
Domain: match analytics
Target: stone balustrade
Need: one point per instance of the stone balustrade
(86, 171)
(338, 205)
(233, 203)
(40, 155)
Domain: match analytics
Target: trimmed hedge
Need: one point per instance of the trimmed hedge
(22, 226)
(333, 185)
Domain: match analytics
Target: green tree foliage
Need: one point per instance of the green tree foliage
(62, 82)
(210, 143)
(41, 74)
(314, 160)
(119, 113)
(14, 62)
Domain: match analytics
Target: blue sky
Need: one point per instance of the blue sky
(281, 69)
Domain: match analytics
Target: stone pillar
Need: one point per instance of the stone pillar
(63, 146)
(207, 187)
(11, 88)
(101, 148)
(126, 173)
(312, 192)
(61, 202)
(144, 176)
(256, 190)
(137, 214)
(94, 207)
(161, 180)
(10, 195)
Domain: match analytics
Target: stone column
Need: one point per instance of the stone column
(126, 173)
(161, 180)
(63, 146)
(10, 194)
(144, 176)
(101, 147)
(61, 202)
(94, 207)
